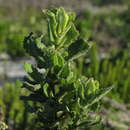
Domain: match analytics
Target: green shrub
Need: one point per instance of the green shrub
(13, 111)
(4, 25)
(108, 2)
(85, 24)
(14, 40)
(13, 31)
(63, 98)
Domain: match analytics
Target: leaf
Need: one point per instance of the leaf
(55, 60)
(60, 60)
(78, 48)
(97, 97)
(52, 22)
(33, 97)
(33, 72)
(71, 77)
(62, 18)
(28, 68)
(92, 86)
(89, 123)
(80, 89)
(45, 89)
(39, 43)
(31, 47)
(28, 86)
(71, 35)
(30, 80)
(32, 88)
(50, 32)
(64, 73)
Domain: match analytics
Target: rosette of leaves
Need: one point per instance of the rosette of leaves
(62, 99)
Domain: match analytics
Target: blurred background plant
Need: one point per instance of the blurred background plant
(13, 110)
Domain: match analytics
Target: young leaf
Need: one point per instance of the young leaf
(28, 68)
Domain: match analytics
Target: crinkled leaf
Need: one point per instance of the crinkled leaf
(31, 47)
(78, 48)
(71, 36)
(95, 98)
(55, 60)
(64, 73)
(60, 60)
(45, 89)
(28, 68)
(62, 19)
(39, 43)
(93, 86)
(80, 89)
